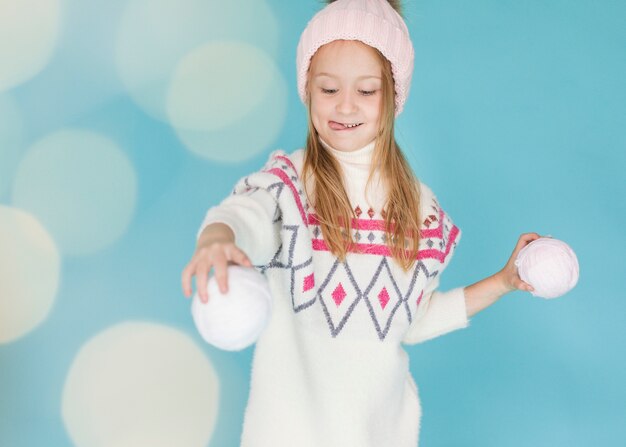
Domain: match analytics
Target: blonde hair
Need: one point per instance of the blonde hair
(331, 202)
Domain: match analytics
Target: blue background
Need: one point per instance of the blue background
(515, 119)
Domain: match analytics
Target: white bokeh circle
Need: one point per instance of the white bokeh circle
(81, 186)
(140, 384)
(28, 35)
(29, 273)
(11, 137)
(155, 34)
(227, 101)
(217, 84)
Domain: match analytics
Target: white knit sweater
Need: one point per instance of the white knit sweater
(330, 370)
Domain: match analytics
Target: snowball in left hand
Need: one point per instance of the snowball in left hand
(549, 265)
(235, 320)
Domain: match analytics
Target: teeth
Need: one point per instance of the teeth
(352, 125)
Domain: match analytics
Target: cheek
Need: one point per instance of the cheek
(315, 116)
(318, 108)
(374, 108)
(376, 105)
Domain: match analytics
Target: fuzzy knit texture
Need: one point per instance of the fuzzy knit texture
(330, 369)
(373, 22)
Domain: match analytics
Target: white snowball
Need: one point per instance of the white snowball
(81, 186)
(235, 320)
(549, 265)
(140, 384)
(29, 273)
(28, 36)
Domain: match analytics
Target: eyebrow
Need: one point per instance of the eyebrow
(360, 77)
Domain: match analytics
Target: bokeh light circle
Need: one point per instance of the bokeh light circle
(81, 186)
(11, 137)
(140, 384)
(218, 84)
(155, 34)
(227, 101)
(29, 273)
(28, 35)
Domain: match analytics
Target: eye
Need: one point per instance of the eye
(367, 92)
(329, 91)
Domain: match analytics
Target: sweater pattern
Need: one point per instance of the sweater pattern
(340, 290)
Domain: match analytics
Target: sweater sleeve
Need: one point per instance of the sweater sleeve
(254, 218)
(444, 311)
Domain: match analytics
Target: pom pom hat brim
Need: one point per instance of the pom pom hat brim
(373, 22)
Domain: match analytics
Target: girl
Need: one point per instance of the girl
(352, 245)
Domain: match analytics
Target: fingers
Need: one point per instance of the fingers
(186, 280)
(202, 278)
(216, 257)
(526, 238)
(232, 254)
(221, 275)
(521, 285)
(510, 271)
(202, 270)
(240, 257)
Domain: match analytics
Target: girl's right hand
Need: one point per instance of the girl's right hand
(216, 255)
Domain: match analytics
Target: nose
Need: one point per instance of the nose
(346, 103)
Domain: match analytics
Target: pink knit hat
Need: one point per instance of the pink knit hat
(373, 22)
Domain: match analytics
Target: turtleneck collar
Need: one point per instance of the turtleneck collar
(359, 159)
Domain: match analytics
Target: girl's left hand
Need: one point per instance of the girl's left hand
(508, 275)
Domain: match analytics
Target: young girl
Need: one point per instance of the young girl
(352, 245)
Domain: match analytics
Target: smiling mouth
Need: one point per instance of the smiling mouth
(335, 124)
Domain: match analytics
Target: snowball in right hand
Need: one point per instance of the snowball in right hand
(549, 265)
(235, 320)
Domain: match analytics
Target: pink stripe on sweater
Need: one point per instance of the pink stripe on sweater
(288, 161)
(379, 225)
(320, 245)
(379, 249)
(359, 224)
(285, 178)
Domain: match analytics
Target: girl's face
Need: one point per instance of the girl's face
(345, 91)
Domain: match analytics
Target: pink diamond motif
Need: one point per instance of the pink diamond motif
(309, 283)
(383, 297)
(338, 294)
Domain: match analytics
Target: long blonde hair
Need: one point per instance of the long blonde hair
(331, 202)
